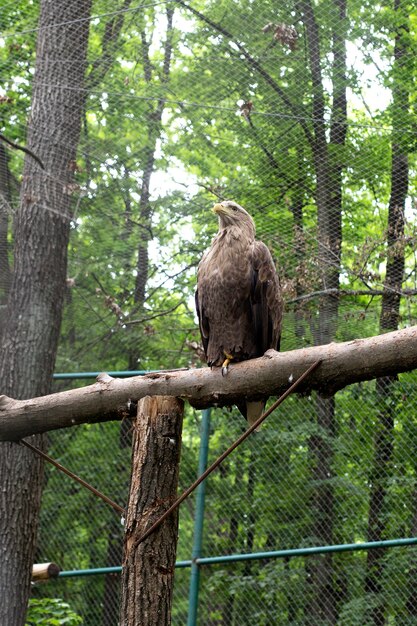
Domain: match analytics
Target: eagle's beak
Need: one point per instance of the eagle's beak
(221, 209)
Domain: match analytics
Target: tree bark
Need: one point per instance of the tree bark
(5, 212)
(153, 122)
(390, 315)
(111, 398)
(328, 164)
(31, 330)
(148, 567)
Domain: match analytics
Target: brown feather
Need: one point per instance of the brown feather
(238, 297)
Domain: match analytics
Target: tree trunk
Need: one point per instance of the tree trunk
(148, 567)
(153, 122)
(328, 164)
(390, 314)
(5, 212)
(32, 325)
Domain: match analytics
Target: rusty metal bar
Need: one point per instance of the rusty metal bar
(68, 472)
(225, 454)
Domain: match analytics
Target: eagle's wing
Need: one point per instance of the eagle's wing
(203, 323)
(266, 299)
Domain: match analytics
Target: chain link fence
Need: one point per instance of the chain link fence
(304, 113)
(270, 495)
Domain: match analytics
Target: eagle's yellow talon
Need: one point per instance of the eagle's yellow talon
(225, 365)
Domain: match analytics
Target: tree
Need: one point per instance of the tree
(41, 231)
(390, 306)
(328, 163)
(152, 122)
(5, 208)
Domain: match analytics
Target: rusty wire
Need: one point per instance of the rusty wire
(226, 453)
(79, 480)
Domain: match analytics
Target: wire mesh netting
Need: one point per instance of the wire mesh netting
(270, 495)
(304, 113)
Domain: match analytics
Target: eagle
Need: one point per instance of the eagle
(238, 297)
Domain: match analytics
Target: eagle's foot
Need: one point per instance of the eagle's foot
(225, 365)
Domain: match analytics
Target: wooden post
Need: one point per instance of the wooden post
(148, 567)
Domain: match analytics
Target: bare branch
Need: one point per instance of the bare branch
(17, 146)
(112, 398)
(142, 320)
(348, 292)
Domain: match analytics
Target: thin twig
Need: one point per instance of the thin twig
(16, 146)
(151, 317)
(350, 292)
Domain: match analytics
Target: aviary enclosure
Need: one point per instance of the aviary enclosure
(143, 115)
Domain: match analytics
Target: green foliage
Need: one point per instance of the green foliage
(51, 612)
(210, 143)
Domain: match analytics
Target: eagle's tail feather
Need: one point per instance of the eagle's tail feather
(254, 411)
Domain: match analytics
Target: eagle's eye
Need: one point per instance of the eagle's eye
(234, 207)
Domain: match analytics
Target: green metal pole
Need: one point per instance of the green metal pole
(274, 554)
(198, 521)
(118, 373)
(72, 573)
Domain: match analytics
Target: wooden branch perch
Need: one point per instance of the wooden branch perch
(112, 398)
(44, 571)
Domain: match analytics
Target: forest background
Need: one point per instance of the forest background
(304, 113)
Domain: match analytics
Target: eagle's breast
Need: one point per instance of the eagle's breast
(224, 282)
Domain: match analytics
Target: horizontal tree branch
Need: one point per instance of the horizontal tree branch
(350, 292)
(112, 398)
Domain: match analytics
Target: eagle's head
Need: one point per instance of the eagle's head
(232, 214)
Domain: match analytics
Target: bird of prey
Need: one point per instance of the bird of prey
(238, 297)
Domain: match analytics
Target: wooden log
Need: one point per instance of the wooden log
(148, 567)
(44, 571)
(111, 398)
